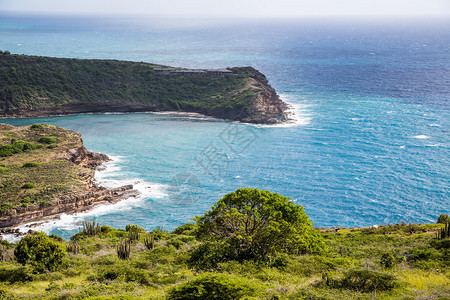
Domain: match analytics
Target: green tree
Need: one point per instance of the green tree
(443, 218)
(41, 252)
(250, 223)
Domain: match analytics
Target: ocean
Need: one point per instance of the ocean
(369, 144)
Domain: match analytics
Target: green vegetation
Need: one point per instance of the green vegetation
(31, 83)
(213, 286)
(34, 176)
(31, 165)
(48, 140)
(41, 252)
(106, 263)
(28, 185)
(16, 146)
(254, 224)
(443, 219)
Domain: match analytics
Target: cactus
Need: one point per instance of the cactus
(5, 255)
(133, 234)
(91, 228)
(149, 241)
(443, 232)
(73, 247)
(124, 249)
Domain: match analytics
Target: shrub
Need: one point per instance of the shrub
(21, 274)
(364, 281)
(4, 170)
(213, 286)
(31, 165)
(388, 260)
(258, 224)
(37, 126)
(441, 244)
(6, 150)
(186, 229)
(16, 146)
(159, 234)
(28, 186)
(134, 232)
(56, 238)
(443, 219)
(48, 140)
(106, 229)
(208, 255)
(38, 250)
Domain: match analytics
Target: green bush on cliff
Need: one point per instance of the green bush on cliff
(41, 252)
(32, 164)
(28, 186)
(16, 146)
(48, 140)
(255, 224)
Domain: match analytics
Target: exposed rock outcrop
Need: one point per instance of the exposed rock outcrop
(73, 86)
(70, 204)
(87, 193)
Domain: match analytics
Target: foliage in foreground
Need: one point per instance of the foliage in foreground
(255, 224)
(41, 252)
(390, 263)
(213, 286)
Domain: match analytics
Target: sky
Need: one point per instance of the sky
(236, 8)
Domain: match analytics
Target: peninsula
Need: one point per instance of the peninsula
(45, 171)
(33, 86)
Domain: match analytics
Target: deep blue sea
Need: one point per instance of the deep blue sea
(370, 144)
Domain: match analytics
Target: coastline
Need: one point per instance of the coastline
(89, 197)
(286, 122)
(236, 94)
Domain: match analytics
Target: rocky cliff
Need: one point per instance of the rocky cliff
(49, 179)
(43, 86)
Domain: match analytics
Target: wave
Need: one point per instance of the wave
(421, 136)
(298, 114)
(186, 115)
(105, 177)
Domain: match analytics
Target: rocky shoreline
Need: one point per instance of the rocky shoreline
(69, 203)
(76, 86)
(267, 109)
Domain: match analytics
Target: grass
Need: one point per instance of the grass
(42, 174)
(97, 273)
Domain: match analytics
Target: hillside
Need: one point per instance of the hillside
(400, 261)
(41, 86)
(45, 170)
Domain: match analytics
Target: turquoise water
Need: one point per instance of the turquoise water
(370, 144)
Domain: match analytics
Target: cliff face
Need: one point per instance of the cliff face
(33, 86)
(61, 176)
(267, 108)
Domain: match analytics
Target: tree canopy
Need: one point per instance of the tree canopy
(40, 251)
(252, 223)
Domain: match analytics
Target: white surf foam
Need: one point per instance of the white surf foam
(298, 114)
(104, 178)
(421, 136)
